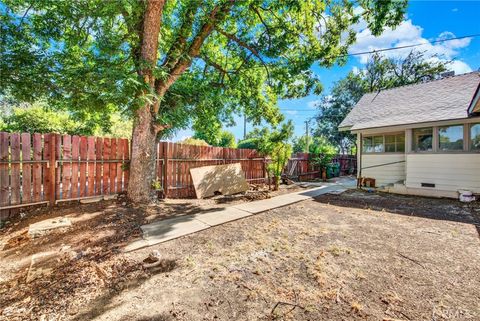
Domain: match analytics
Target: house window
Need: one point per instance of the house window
(395, 143)
(373, 144)
(384, 143)
(475, 137)
(450, 138)
(422, 139)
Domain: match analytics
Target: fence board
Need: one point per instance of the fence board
(83, 166)
(113, 166)
(98, 167)
(4, 181)
(66, 166)
(15, 169)
(91, 166)
(75, 165)
(58, 173)
(26, 168)
(126, 173)
(118, 156)
(37, 168)
(47, 173)
(106, 166)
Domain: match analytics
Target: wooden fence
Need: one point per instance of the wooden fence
(175, 160)
(38, 169)
(301, 167)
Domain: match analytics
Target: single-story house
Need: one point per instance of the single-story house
(421, 139)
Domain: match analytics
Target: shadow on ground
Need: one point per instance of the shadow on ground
(425, 207)
(92, 270)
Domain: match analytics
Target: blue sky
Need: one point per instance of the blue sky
(425, 21)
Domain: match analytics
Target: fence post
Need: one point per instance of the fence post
(164, 145)
(52, 163)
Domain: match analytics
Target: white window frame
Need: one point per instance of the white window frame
(434, 141)
(383, 143)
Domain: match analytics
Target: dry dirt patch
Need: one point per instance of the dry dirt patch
(308, 261)
(313, 261)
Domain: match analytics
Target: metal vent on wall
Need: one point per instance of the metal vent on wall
(428, 185)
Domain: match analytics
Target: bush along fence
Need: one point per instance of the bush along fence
(45, 169)
(301, 167)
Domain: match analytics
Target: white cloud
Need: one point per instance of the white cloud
(312, 104)
(356, 70)
(455, 10)
(409, 34)
(460, 67)
(291, 112)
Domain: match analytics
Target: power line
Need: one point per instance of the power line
(406, 46)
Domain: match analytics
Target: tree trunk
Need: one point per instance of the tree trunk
(142, 163)
(276, 183)
(142, 159)
(145, 127)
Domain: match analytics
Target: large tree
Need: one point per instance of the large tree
(379, 73)
(164, 62)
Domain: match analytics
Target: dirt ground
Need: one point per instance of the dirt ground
(354, 256)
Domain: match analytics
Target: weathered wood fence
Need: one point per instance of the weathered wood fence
(300, 166)
(175, 160)
(38, 169)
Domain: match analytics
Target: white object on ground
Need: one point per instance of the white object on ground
(226, 179)
(43, 227)
(91, 200)
(466, 196)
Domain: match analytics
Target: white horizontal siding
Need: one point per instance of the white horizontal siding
(387, 174)
(449, 172)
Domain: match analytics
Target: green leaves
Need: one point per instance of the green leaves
(379, 73)
(85, 55)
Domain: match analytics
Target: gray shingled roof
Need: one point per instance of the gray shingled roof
(443, 99)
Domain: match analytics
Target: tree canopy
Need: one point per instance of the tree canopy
(84, 55)
(216, 136)
(379, 73)
(167, 63)
(37, 118)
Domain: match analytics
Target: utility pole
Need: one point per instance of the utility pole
(307, 140)
(244, 126)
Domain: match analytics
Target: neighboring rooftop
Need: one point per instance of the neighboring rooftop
(443, 99)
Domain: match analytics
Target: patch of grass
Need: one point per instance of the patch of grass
(356, 307)
(337, 251)
(190, 262)
(359, 275)
(330, 294)
(317, 271)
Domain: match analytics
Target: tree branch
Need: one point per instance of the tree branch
(151, 29)
(239, 42)
(215, 16)
(267, 27)
(243, 44)
(215, 65)
(135, 47)
(179, 45)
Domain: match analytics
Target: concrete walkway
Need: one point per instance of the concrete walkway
(168, 229)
